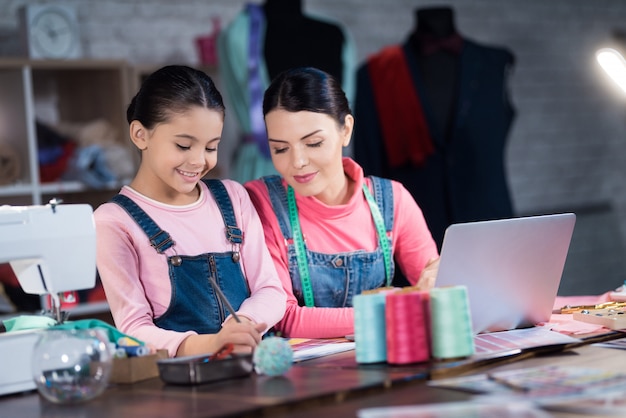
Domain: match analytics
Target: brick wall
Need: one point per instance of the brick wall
(567, 147)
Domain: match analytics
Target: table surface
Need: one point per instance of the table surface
(331, 386)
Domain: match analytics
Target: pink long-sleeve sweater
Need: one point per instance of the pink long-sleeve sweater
(331, 229)
(135, 277)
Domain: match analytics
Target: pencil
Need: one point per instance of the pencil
(518, 387)
(222, 297)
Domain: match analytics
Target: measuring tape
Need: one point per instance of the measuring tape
(298, 240)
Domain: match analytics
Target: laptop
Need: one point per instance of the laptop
(512, 268)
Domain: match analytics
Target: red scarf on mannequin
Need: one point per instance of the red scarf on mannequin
(403, 124)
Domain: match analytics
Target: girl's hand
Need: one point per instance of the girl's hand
(244, 336)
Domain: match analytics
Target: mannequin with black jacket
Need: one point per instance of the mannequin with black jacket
(293, 39)
(456, 173)
(439, 68)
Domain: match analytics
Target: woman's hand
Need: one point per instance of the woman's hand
(429, 274)
(243, 335)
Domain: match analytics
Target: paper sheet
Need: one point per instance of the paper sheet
(308, 348)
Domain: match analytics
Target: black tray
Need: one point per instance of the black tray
(199, 369)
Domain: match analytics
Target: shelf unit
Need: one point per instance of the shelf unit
(58, 91)
(74, 91)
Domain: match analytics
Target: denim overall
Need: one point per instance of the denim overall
(335, 278)
(194, 304)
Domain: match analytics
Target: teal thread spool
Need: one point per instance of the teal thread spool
(451, 325)
(369, 328)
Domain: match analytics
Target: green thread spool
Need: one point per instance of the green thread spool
(452, 334)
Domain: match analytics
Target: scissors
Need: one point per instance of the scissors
(223, 352)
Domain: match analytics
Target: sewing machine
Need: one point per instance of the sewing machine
(52, 249)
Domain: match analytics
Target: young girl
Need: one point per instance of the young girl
(332, 233)
(163, 238)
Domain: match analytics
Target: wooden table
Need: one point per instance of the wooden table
(417, 392)
(327, 387)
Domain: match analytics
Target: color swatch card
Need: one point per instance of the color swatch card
(523, 339)
(456, 410)
(541, 385)
(559, 381)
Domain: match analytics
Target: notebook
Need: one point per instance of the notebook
(512, 268)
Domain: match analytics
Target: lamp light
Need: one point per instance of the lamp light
(614, 64)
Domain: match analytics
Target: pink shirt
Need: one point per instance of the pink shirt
(341, 228)
(135, 277)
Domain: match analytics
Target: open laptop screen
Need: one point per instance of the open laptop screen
(511, 267)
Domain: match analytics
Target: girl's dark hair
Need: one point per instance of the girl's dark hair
(173, 89)
(307, 89)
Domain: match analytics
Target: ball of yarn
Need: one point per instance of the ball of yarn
(273, 356)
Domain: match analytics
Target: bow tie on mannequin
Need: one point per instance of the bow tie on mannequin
(429, 44)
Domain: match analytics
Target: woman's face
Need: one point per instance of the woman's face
(306, 149)
(176, 154)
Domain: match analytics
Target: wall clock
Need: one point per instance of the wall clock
(50, 31)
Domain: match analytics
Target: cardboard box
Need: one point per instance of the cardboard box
(135, 369)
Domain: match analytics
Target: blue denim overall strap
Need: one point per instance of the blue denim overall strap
(194, 304)
(383, 194)
(335, 278)
(158, 238)
(233, 233)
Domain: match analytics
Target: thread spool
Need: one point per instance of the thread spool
(134, 350)
(127, 341)
(407, 327)
(451, 325)
(369, 328)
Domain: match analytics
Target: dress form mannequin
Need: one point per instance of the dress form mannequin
(261, 41)
(435, 21)
(461, 89)
(293, 39)
(439, 68)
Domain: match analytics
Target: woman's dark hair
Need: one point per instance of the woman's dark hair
(307, 89)
(173, 89)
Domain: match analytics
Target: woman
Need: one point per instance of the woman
(183, 262)
(331, 232)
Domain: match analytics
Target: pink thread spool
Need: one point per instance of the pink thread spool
(407, 327)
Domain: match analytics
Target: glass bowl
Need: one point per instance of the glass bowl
(72, 366)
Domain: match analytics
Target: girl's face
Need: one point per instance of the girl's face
(306, 150)
(176, 154)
